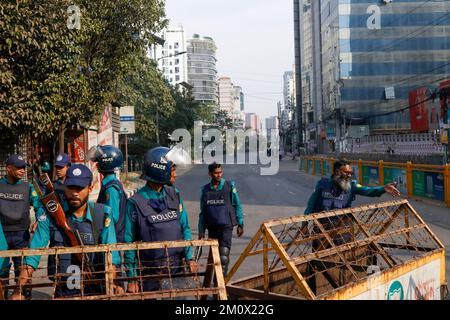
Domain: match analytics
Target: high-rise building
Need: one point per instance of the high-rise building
(202, 72)
(238, 104)
(226, 94)
(271, 124)
(372, 55)
(253, 122)
(172, 56)
(289, 89)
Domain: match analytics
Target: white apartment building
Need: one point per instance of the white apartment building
(172, 56)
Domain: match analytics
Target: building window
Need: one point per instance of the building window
(176, 45)
(170, 47)
(177, 61)
(177, 78)
(177, 70)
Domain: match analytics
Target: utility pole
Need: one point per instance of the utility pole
(298, 74)
(157, 126)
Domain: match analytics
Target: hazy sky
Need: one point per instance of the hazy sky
(255, 41)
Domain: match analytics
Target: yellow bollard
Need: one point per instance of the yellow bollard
(381, 172)
(360, 171)
(447, 184)
(409, 178)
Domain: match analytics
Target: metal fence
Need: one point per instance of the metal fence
(414, 180)
(170, 279)
(355, 253)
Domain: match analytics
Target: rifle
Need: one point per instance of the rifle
(2, 291)
(54, 208)
(198, 253)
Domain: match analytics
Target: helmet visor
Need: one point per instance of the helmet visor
(178, 156)
(95, 153)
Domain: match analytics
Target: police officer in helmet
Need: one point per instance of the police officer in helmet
(220, 212)
(108, 159)
(93, 222)
(16, 197)
(156, 213)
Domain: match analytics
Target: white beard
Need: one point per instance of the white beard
(345, 185)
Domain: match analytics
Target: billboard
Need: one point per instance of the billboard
(418, 110)
(370, 176)
(397, 175)
(428, 184)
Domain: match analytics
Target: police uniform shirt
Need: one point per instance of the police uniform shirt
(4, 262)
(356, 189)
(130, 227)
(112, 197)
(42, 235)
(235, 202)
(35, 202)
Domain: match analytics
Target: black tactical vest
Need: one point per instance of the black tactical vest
(15, 206)
(219, 211)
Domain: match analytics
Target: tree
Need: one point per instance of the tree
(223, 120)
(54, 77)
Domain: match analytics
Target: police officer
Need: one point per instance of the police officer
(112, 194)
(156, 213)
(62, 164)
(4, 263)
(338, 192)
(16, 197)
(173, 175)
(220, 211)
(93, 222)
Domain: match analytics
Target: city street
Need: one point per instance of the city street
(270, 197)
(283, 195)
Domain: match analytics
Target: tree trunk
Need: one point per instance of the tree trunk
(62, 130)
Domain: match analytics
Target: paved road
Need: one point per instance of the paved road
(282, 195)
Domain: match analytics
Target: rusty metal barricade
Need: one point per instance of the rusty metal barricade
(380, 251)
(174, 279)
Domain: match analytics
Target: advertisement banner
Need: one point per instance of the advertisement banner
(397, 175)
(327, 168)
(370, 176)
(355, 176)
(418, 110)
(419, 183)
(318, 167)
(310, 166)
(434, 185)
(428, 184)
(78, 149)
(422, 283)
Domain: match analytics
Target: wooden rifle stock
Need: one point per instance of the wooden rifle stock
(54, 208)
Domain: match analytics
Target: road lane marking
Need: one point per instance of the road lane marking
(291, 193)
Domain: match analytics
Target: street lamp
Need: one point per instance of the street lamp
(157, 112)
(172, 55)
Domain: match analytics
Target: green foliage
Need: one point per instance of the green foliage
(52, 76)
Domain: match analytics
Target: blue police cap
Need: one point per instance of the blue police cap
(16, 160)
(62, 160)
(78, 175)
